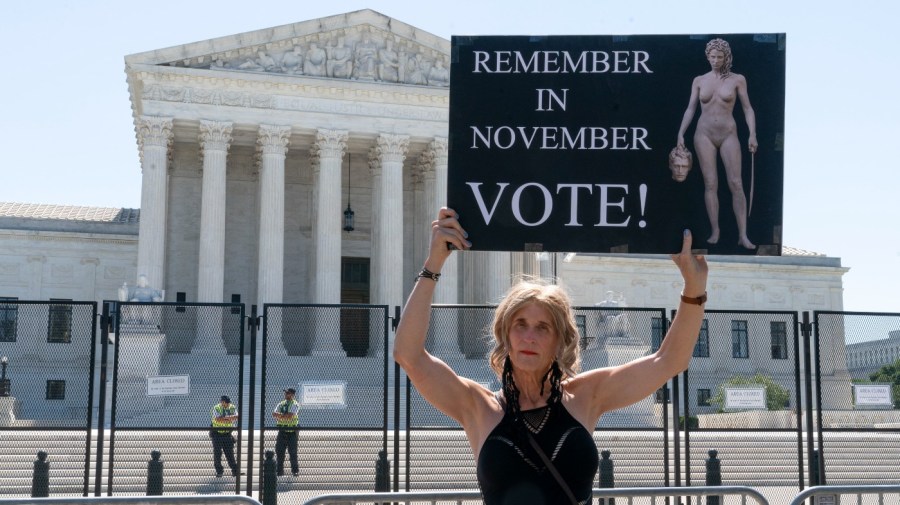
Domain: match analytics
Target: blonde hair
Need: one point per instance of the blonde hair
(556, 301)
(721, 45)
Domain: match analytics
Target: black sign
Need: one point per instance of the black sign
(563, 143)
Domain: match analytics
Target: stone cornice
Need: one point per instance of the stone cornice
(51, 236)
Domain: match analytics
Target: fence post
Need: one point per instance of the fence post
(713, 475)
(270, 480)
(154, 475)
(40, 483)
(382, 472)
(606, 477)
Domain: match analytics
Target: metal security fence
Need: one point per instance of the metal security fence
(744, 377)
(171, 364)
(856, 418)
(47, 392)
(336, 358)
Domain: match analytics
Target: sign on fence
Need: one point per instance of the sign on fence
(563, 143)
(750, 398)
(873, 396)
(168, 385)
(324, 394)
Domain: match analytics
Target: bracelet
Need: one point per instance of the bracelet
(700, 300)
(427, 274)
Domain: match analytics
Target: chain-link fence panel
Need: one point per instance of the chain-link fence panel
(335, 358)
(47, 356)
(174, 363)
(857, 378)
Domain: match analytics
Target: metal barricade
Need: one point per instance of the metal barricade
(746, 495)
(218, 499)
(833, 494)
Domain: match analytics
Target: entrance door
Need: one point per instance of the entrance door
(355, 320)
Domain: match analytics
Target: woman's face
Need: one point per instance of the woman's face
(716, 58)
(532, 340)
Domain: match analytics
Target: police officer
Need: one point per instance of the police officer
(224, 418)
(286, 420)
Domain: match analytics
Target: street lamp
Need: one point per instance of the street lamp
(4, 382)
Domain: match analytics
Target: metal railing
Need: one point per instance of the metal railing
(433, 497)
(820, 492)
(219, 499)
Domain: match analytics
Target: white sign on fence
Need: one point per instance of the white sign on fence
(324, 394)
(168, 385)
(745, 398)
(872, 395)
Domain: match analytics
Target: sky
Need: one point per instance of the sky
(67, 132)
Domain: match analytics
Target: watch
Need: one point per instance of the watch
(700, 300)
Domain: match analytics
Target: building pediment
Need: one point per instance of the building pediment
(362, 45)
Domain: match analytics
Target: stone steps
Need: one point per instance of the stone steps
(439, 460)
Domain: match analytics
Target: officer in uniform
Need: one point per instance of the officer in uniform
(224, 418)
(286, 420)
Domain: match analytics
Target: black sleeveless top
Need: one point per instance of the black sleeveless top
(510, 472)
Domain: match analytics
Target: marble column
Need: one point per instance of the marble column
(328, 152)
(272, 146)
(329, 148)
(154, 138)
(391, 150)
(375, 173)
(447, 290)
(215, 139)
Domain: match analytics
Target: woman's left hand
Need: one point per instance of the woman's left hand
(752, 144)
(693, 267)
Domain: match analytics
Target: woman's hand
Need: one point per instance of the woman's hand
(751, 144)
(445, 232)
(693, 267)
(680, 141)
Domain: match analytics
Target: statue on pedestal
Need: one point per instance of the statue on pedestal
(141, 293)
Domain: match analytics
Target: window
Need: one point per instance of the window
(739, 340)
(703, 397)
(9, 319)
(656, 333)
(701, 350)
(778, 330)
(56, 390)
(59, 326)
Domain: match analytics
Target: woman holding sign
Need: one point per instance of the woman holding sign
(532, 439)
(716, 91)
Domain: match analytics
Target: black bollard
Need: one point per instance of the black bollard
(606, 477)
(154, 475)
(382, 473)
(270, 480)
(40, 483)
(713, 476)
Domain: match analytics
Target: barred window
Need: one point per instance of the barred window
(59, 325)
(9, 319)
(778, 331)
(56, 390)
(739, 340)
(703, 396)
(656, 333)
(701, 349)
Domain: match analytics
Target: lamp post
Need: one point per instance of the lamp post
(4, 382)
(348, 212)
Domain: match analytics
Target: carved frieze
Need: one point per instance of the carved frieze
(362, 53)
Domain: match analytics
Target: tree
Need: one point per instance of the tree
(776, 396)
(890, 374)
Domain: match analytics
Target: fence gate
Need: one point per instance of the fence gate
(336, 358)
(47, 389)
(171, 364)
(741, 397)
(857, 397)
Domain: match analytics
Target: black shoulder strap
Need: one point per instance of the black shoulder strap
(550, 466)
